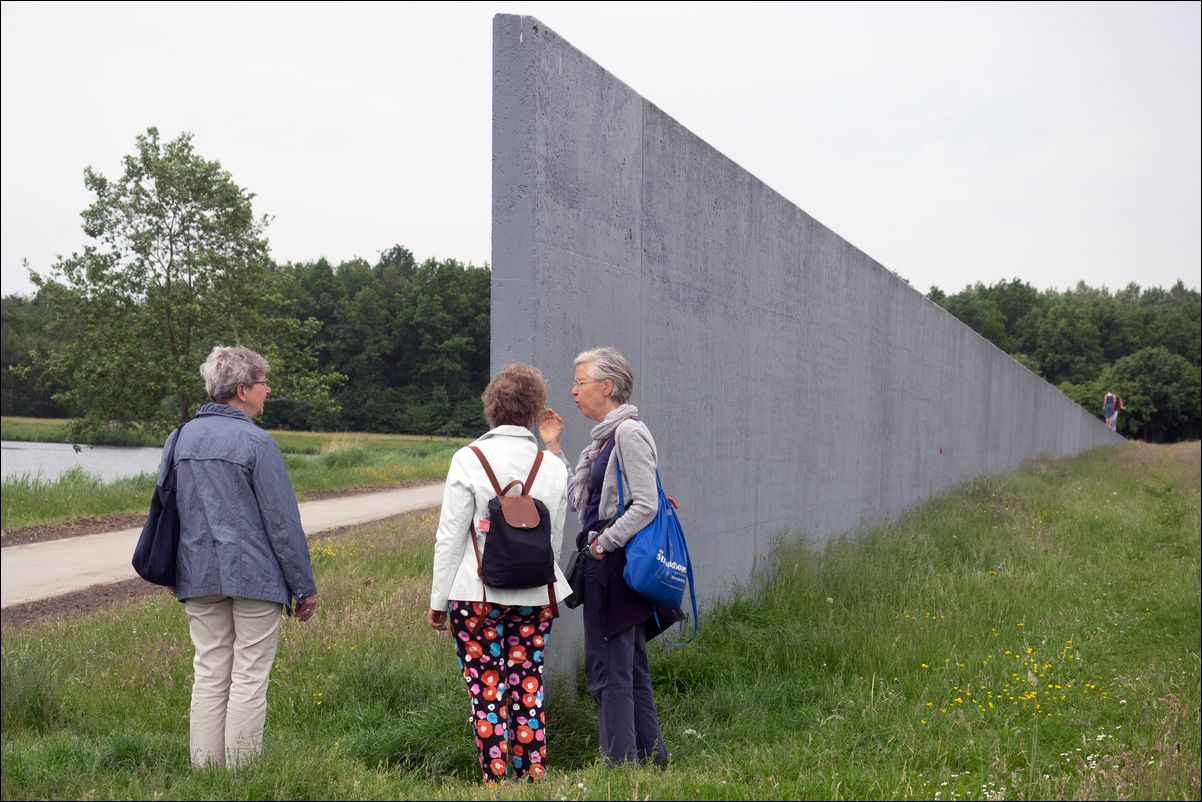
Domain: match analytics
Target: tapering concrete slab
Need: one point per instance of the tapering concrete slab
(42, 570)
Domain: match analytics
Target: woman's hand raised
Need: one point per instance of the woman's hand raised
(550, 428)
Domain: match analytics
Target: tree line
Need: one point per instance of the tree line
(1146, 344)
(178, 262)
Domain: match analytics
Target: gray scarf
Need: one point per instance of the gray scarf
(578, 484)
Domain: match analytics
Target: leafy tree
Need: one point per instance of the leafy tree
(179, 264)
(980, 313)
(1161, 392)
(25, 388)
(412, 338)
(1174, 321)
(1066, 341)
(1015, 299)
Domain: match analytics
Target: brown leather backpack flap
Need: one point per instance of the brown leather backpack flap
(519, 511)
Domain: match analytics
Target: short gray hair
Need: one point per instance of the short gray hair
(229, 366)
(606, 363)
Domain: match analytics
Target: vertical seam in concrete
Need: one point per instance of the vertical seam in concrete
(642, 219)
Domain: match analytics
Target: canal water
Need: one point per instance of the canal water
(50, 460)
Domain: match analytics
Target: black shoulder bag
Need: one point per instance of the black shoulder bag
(158, 545)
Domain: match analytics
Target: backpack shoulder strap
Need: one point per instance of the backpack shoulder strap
(538, 461)
(492, 477)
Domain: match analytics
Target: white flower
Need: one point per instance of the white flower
(829, 600)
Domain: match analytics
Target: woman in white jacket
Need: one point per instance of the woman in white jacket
(500, 633)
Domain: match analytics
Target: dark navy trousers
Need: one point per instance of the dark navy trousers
(619, 678)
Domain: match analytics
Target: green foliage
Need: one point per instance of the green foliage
(179, 264)
(1162, 393)
(25, 340)
(979, 313)
(1031, 636)
(412, 339)
(75, 494)
(1067, 343)
(1076, 339)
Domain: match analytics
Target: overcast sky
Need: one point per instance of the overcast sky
(953, 143)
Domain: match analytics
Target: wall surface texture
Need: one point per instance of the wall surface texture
(793, 384)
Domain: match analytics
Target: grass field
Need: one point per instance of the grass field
(1031, 636)
(317, 462)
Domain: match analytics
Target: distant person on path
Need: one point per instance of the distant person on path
(1109, 407)
(1118, 407)
(243, 559)
(500, 634)
(617, 623)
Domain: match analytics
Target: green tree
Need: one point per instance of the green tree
(179, 264)
(1174, 320)
(1161, 393)
(1066, 341)
(24, 343)
(1015, 299)
(976, 310)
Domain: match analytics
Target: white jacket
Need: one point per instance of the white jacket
(510, 450)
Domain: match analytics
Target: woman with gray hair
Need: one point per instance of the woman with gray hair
(617, 623)
(242, 559)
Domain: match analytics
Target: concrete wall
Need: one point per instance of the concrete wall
(793, 384)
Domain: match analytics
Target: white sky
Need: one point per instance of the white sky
(953, 143)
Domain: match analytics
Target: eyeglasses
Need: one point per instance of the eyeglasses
(260, 381)
(582, 382)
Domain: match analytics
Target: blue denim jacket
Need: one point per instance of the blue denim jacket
(240, 529)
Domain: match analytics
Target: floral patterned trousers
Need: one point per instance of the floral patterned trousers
(501, 654)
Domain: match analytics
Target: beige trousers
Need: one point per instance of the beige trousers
(235, 642)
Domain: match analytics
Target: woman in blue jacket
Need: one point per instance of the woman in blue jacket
(243, 558)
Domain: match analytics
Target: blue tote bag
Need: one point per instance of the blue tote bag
(657, 558)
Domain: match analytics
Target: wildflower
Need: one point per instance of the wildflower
(924, 665)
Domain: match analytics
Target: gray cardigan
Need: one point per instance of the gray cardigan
(634, 448)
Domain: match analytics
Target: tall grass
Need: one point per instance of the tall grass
(317, 462)
(1028, 636)
(32, 500)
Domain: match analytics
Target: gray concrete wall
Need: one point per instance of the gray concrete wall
(793, 384)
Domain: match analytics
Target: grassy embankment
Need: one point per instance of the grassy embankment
(1028, 636)
(317, 462)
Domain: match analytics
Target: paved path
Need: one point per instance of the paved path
(42, 570)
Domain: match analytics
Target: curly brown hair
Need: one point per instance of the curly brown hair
(515, 396)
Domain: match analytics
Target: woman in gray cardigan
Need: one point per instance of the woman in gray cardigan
(242, 560)
(615, 619)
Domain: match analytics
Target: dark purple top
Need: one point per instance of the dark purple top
(596, 478)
